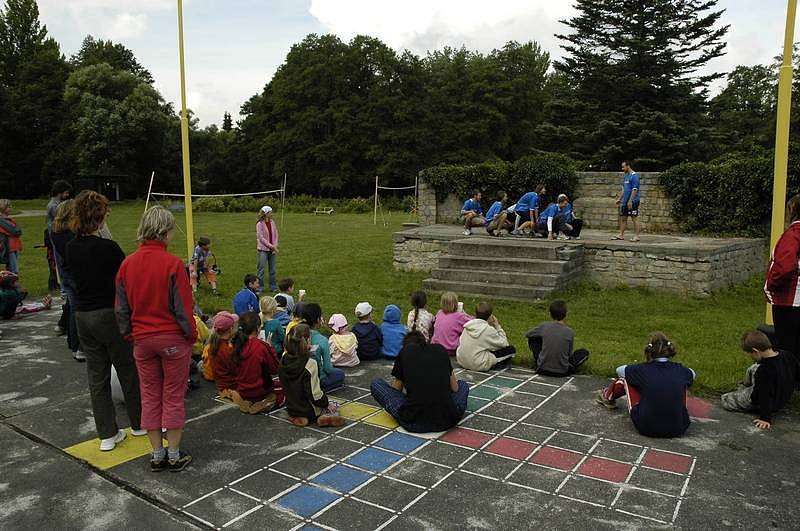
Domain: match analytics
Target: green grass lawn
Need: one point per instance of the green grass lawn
(343, 259)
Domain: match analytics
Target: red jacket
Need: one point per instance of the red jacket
(258, 363)
(223, 368)
(782, 287)
(153, 294)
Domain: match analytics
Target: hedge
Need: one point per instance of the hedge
(555, 171)
(302, 203)
(731, 195)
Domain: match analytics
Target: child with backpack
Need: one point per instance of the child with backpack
(656, 390)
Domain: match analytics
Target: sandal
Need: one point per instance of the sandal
(618, 237)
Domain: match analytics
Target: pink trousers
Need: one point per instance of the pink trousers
(163, 366)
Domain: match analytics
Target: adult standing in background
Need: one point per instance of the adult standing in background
(59, 191)
(154, 308)
(783, 286)
(93, 263)
(61, 234)
(267, 247)
(628, 201)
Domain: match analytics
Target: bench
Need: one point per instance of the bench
(323, 210)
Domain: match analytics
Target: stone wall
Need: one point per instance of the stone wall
(417, 254)
(595, 203)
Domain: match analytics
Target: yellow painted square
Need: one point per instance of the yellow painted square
(356, 410)
(382, 418)
(130, 448)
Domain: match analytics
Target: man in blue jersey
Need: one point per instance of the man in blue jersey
(497, 216)
(472, 213)
(628, 202)
(551, 220)
(527, 210)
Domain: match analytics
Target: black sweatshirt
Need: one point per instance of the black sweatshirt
(93, 263)
(774, 384)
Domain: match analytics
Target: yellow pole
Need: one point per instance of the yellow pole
(782, 135)
(187, 174)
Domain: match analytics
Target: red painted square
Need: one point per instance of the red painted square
(464, 437)
(600, 468)
(698, 407)
(511, 448)
(556, 458)
(667, 461)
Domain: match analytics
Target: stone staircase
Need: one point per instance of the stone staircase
(507, 268)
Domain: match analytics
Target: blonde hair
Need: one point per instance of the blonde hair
(268, 307)
(156, 223)
(4, 204)
(64, 219)
(561, 198)
(449, 302)
(91, 209)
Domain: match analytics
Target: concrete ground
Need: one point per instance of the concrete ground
(531, 451)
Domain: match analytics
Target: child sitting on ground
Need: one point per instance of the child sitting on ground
(217, 365)
(246, 300)
(420, 319)
(330, 377)
(255, 363)
(768, 383)
(483, 342)
(281, 314)
(367, 333)
(12, 295)
(271, 328)
(656, 390)
(297, 317)
(449, 323)
(342, 343)
(392, 331)
(286, 289)
(198, 265)
(305, 401)
(551, 344)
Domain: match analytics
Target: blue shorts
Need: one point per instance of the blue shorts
(625, 212)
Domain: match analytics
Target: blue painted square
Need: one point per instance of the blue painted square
(400, 442)
(373, 459)
(307, 500)
(341, 478)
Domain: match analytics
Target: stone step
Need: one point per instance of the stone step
(509, 291)
(515, 247)
(513, 265)
(503, 278)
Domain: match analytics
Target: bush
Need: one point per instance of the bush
(246, 204)
(729, 195)
(209, 204)
(555, 171)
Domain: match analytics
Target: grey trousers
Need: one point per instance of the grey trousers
(104, 346)
(740, 399)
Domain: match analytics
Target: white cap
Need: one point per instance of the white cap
(266, 209)
(363, 308)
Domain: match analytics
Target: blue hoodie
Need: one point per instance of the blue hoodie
(393, 332)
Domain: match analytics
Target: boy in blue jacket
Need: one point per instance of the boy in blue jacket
(246, 299)
(393, 332)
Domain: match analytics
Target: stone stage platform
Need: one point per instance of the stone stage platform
(532, 268)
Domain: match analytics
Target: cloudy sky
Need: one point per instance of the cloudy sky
(234, 46)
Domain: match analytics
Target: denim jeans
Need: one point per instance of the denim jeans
(266, 259)
(12, 262)
(334, 380)
(392, 400)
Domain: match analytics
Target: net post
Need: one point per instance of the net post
(149, 191)
(283, 199)
(375, 210)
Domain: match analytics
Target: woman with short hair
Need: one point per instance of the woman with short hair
(154, 308)
(93, 263)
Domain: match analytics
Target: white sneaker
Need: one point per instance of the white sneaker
(78, 355)
(467, 232)
(111, 443)
(139, 432)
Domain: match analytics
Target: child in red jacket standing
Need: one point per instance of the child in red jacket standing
(257, 364)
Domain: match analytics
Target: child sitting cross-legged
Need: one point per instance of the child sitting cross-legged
(297, 317)
(483, 342)
(368, 334)
(420, 319)
(217, 365)
(343, 343)
(393, 332)
(768, 383)
(656, 390)
(246, 299)
(551, 344)
(271, 328)
(330, 377)
(281, 313)
(255, 362)
(305, 401)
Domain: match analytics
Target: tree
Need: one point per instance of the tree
(96, 51)
(227, 122)
(632, 70)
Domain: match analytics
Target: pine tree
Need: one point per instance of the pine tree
(634, 88)
(227, 122)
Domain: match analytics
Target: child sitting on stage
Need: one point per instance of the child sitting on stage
(343, 343)
(305, 401)
(656, 390)
(256, 362)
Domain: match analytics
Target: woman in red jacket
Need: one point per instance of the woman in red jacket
(782, 286)
(154, 308)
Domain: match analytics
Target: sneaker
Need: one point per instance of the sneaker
(138, 433)
(158, 465)
(608, 404)
(467, 232)
(562, 237)
(176, 465)
(79, 356)
(109, 444)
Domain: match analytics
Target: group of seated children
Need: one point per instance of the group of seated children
(557, 220)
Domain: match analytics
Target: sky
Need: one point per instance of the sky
(233, 47)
